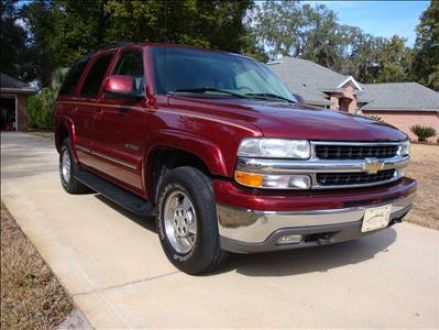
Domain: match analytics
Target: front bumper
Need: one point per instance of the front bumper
(248, 231)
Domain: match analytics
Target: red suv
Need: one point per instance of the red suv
(216, 147)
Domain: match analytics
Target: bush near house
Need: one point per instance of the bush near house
(375, 117)
(40, 109)
(423, 132)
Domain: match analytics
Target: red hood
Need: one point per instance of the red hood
(283, 120)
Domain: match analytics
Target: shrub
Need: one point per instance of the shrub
(40, 109)
(423, 132)
(374, 117)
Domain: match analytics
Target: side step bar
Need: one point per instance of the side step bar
(119, 196)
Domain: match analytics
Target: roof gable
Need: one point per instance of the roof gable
(10, 84)
(352, 81)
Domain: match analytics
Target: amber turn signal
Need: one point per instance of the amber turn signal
(249, 179)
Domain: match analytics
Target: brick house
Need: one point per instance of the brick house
(13, 103)
(399, 104)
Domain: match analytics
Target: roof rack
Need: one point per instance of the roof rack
(113, 45)
(110, 46)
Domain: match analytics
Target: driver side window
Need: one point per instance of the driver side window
(131, 64)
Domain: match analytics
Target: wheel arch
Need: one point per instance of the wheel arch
(63, 129)
(176, 150)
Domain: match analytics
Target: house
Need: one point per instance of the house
(399, 104)
(13, 103)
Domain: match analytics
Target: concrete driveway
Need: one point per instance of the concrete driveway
(113, 265)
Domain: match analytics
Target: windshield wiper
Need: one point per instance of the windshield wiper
(206, 90)
(270, 96)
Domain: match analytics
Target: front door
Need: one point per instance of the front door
(119, 126)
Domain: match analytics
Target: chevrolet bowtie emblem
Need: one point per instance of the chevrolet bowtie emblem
(372, 165)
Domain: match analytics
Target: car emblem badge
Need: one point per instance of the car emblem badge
(372, 165)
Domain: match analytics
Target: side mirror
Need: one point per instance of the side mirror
(121, 86)
(298, 98)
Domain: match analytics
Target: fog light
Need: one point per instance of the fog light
(276, 181)
(290, 239)
(300, 181)
(268, 181)
(399, 173)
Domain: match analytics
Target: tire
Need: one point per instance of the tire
(193, 246)
(68, 169)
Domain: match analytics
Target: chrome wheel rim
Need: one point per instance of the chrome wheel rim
(180, 221)
(66, 166)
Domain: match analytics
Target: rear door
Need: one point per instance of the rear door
(119, 126)
(67, 106)
(86, 106)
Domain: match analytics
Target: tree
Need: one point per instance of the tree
(13, 41)
(62, 31)
(324, 41)
(395, 61)
(214, 24)
(278, 25)
(313, 32)
(45, 46)
(426, 62)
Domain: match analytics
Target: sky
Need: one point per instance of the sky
(381, 18)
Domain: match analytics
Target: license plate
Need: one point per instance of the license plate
(376, 218)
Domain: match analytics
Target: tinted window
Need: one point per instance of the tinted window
(131, 64)
(72, 78)
(186, 68)
(96, 75)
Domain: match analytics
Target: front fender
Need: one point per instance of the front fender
(210, 153)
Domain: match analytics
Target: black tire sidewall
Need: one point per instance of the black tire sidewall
(74, 186)
(66, 147)
(198, 188)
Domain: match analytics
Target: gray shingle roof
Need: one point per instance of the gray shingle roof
(311, 80)
(7, 83)
(399, 96)
(307, 78)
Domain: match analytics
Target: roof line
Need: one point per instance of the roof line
(351, 79)
(400, 110)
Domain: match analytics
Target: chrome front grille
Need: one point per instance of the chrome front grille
(343, 179)
(336, 165)
(324, 151)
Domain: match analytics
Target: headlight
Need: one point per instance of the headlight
(274, 148)
(404, 148)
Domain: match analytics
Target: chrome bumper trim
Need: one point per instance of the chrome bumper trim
(250, 226)
(282, 166)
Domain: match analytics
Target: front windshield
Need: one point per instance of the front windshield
(214, 74)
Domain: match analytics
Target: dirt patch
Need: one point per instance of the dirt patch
(31, 297)
(424, 167)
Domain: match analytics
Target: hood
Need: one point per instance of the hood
(293, 121)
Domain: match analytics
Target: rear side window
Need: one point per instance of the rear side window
(95, 76)
(72, 78)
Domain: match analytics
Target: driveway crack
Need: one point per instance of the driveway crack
(97, 290)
